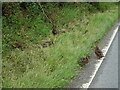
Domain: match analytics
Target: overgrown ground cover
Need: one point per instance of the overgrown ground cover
(30, 65)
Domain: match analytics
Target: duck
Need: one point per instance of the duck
(47, 43)
(54, 31)
(85, 60)
(98, 52)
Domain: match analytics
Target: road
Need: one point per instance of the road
(107, 75)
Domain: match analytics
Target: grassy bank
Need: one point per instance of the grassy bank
(56, 65)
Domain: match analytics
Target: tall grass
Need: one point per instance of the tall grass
(56, 65)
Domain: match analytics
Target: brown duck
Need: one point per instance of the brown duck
(85, 60)
(17, 45)
(54, 30)
(98, 52)
(47, 43)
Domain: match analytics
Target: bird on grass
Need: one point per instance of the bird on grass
(98, 52)
(47, 43)
(19, 45)
(54, 30)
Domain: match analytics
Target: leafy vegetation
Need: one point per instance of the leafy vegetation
(34, 57)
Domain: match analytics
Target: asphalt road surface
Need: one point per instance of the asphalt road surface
(107, 75)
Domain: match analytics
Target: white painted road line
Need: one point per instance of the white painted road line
(105, 50)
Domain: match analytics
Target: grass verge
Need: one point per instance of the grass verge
(55, 66)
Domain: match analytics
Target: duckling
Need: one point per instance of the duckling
(98, 52)
(19, 45)
(54, 31)
(47, 43)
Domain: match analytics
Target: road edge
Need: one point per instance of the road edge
(104, 50)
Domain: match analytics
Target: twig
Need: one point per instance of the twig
(45, 13)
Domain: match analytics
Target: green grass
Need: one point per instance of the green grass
(55, 66)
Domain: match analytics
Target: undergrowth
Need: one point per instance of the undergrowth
(31, 65)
